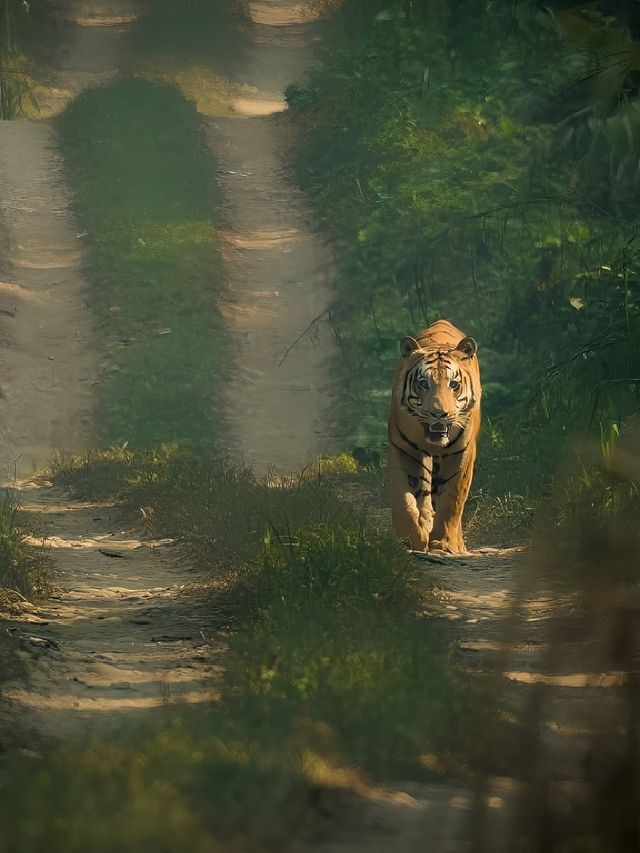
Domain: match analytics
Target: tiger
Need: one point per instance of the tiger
(433, 430)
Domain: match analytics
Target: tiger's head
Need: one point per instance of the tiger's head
(439, 388)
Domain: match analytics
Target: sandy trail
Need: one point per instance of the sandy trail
(546, 665)
(279, 272)
(48, 361)
(127, 629)
(122, 634)
(90, 40)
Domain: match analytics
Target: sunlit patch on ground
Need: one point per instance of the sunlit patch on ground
(98, 20)
(262, 238)
(283, 14)
(46, 257)
(50, 101)
(215, 95)
(318, 770)
(211, 93)
(258, 106)
(12, 294)
(104, 13)
(30, 701)
(574, 679)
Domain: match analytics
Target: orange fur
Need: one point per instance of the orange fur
(433, 430)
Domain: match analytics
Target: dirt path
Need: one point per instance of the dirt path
(279, 272)
(548, 665)
(472, 597)
(121, 633)
(48, 361)
(90, 45)
(127, 628)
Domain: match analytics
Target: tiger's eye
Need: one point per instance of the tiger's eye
(454, 384)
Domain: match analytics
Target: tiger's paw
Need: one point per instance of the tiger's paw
(444, 546)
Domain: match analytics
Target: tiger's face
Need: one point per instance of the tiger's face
(438, 389)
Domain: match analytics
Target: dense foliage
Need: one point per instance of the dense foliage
(479, 161)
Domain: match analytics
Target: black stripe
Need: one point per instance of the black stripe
(413, 480)
(404, 388)
(402, 450)
(443, 482)
(410, 443)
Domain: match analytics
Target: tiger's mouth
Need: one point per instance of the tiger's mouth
(437, 433)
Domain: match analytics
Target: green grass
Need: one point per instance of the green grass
(326, 610)
(145, 194)
(204, 782)
(332, 676)
(333, 679)
(23, 565)
(24, 572)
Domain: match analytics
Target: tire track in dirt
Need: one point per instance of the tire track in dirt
(127, 630)
(121, 633)
(47, 357)
(561, 706)
(279, 272)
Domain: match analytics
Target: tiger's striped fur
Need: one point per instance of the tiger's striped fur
(433, 431)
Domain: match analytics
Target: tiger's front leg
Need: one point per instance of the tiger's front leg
(411, 508)
(451, 486)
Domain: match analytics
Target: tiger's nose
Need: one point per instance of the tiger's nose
(438, 413)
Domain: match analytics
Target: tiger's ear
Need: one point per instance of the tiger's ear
(468, 346)
(408, 346)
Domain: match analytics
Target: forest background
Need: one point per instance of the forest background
(480, 161)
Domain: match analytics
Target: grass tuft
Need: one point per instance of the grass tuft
(24, 567)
